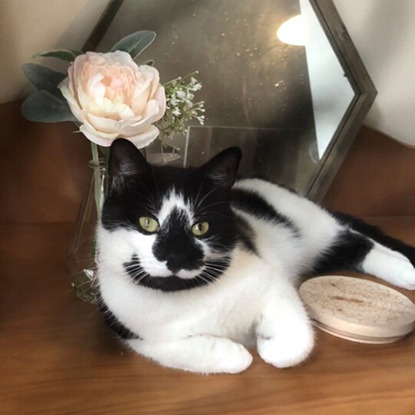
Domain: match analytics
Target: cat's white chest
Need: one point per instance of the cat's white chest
(229, 307)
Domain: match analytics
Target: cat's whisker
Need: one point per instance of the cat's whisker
(133, 270)
(196, 202)
(216, 265)
(140, 277)
(211, 274)
(201, 277)
(206, 278)
(136, 271)
(137, 278)
(205, 196)
(133, 265)
(217, 270)
(220, 262)
(207, 207)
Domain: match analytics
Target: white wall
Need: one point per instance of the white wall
(383, 32)
(331, 92)
(30, 26)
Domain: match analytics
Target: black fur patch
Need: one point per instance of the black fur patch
(176, 245)
(245, 235)
(214, 270)
(251, 202)
(347, 252)
(112, 322)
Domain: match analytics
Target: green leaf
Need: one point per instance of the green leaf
(42, 77)
(42, 106)
(67, 55)
(135, 43)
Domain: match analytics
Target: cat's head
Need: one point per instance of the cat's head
(176, 224)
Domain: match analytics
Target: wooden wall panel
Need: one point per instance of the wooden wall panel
(377, 178)
(43, 169)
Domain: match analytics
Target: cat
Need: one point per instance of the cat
(196, 267)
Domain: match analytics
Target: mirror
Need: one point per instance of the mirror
(281, 79)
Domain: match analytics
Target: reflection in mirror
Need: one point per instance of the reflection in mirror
(281, 99)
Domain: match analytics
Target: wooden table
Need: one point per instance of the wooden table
(57, 357)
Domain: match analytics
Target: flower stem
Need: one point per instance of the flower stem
(97, 181)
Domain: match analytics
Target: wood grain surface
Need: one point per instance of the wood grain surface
(377, 178)
(56, 356)
(43, 169)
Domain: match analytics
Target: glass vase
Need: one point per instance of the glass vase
(82, 256)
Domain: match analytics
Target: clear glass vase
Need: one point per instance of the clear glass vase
(82, 255)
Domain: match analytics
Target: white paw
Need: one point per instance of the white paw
(288, 349)
(198, 354)
(391, 266)
(406, 277)
(402, 273)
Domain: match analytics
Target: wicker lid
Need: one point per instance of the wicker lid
(357, 309)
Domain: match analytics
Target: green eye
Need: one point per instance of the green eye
(150, 225)
(199, 229)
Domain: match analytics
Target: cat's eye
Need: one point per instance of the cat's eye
(150, 225)
(200, 228)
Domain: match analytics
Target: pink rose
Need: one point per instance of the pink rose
(112, 97)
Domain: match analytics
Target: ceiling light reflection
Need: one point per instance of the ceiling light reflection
(292, 31)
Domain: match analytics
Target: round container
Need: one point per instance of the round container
(358, 310)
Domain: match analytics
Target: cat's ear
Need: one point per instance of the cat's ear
(223, 167)
(125, 162)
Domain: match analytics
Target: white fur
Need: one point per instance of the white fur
(174, 201)
(391, 266)
(255, 302)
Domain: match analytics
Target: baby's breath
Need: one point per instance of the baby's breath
(180, 106)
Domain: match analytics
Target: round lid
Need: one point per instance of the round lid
(357, 309)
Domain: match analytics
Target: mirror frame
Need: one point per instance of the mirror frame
(343, 47)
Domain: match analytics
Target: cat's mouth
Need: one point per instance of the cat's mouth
(166, 280)
(188, 274)
(137, 270)
(181, 274)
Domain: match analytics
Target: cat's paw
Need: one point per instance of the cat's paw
(391, 266)
(199, 354)
(220, 356)
(403, 273)
(289, 349)
(406, 277)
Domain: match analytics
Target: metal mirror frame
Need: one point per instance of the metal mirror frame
(343, 47)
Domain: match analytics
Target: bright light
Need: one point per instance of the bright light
(292, 31)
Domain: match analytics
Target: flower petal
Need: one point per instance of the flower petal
(133, 126)
(73, 104)
(103, 124)
(145, 138)
(96, 137)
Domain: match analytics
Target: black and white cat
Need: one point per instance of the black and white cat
(194, 267)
